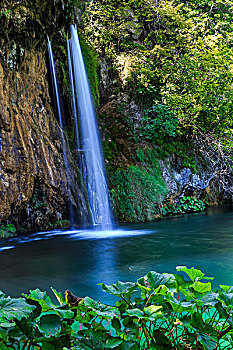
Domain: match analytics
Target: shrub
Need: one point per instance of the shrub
(185, 205)
(137, 189)
(158, 121)
(7, 231)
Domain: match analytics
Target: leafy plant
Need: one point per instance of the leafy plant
(169, 311)
(7, 231)
(158, 120)
(184, 205)
(60, 224)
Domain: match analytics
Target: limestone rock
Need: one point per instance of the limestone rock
(33, 182)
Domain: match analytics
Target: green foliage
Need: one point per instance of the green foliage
(38, 198)
(5, 13)
(177, 52)
(158, 121)
(137, 189)
(202, 92)
(69, 7)
(60, 224)
(169, 311)
(65, 75)
(7, 231)
(184, 205)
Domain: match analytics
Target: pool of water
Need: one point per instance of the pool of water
(78, 260)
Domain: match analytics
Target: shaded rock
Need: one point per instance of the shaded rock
(33, 182)
(184, 182)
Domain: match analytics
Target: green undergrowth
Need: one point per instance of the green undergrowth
(184, 205)
(158, 120)
(138, 192)
(59, 224)
(137, 189)
(7, 231)
(157, 312)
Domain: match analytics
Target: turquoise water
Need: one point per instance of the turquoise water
(78, 260)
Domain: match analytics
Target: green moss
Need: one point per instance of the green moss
(91, 63)
(110, 149)
(182, 149)
(136, 190)
(65, 73)
(60, 224)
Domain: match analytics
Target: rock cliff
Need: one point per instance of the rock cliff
(33, 182)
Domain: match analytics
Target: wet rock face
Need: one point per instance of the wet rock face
(30, 136)
(33, 183)
(27, 22)
(184, 182)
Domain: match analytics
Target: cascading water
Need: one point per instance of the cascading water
(90, 152)
(60, 117)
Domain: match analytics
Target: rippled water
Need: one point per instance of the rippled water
(78, 260)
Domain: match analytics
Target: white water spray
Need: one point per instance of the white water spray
(90, 152)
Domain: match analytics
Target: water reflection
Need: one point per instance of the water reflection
(78, 260)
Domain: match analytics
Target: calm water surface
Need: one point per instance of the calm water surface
(78, 260)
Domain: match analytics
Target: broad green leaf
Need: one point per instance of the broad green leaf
(156, 283)
(181, 282)
(120, 288)
(136, 312)
(91, 338)
(193, 274)
(226, 298)
(116, 324)
(227, 289)
(196, 321)
(183, 306)
(48, 346)
(129, 345)
(37, 311)
(122, 306)
(211, 331)
(144, 290)
(113, 343)
(189, 295)
(154, 280)
(11, 309)
(150, 310)
(59, 296)
(210, 299)
(49, 324)
(105, 311)
(7, 324)
(3, 346)
(46, 304)
(16, 332)
(64, 311)
(201, 287)
(42, 298)
(164, 290)
(207, 342)
(161, 339)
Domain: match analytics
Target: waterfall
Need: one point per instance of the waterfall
(58, 108)
(90, 153)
